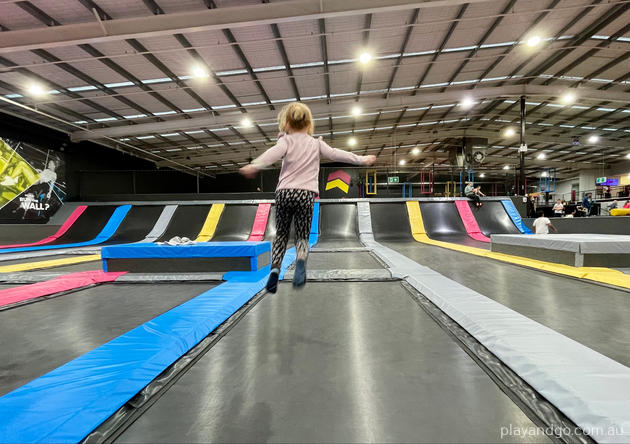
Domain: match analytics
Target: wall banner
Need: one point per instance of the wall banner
(32, 182)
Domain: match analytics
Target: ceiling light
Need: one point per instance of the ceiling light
(543, 174)
(541, 156)
(467, 103)
(506, 167)
(356, 110)
(36, 89)
(402, 162)
(482, 175)
(533, 41)
(593, 139)
(568, 98)
(246, 122)
(352, 141)
(415, 151)
(199, 72)
(365, 58)
(509, 132)
(628, 156)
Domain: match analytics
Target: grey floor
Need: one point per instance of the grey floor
(39, 337)
(593, 315)
(334, 362)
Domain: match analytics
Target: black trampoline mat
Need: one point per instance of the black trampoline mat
(42, 336)
(236, 223)
(390, 221)
(136, 225)
(338, 225)
(186, 222)
(332, 363)
(346, 260)
(493, 219)
(87, 226)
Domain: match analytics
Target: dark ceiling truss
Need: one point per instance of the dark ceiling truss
(508, 7)
(590, 53)
(210, 4)
(403, 48)
(365, 42)
(602, 21)
(438, 52)
(285, 58)
(183, 41)
(539, 18)
(49, 21)
(324, 46)
(240, 144)
(434, 57)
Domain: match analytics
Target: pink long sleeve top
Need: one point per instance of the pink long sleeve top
(300, 154)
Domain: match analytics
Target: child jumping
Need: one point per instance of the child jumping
(298, 184)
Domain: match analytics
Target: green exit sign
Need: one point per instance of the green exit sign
(393, 179)
(600, 180)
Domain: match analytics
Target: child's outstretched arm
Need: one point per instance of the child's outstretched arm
(272, 155)
(344, 156)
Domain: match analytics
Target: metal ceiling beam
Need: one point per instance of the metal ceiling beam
(202, 159)
(324, 46)
(403, 49)
(204, 20)
(338, 106)
(449, 33)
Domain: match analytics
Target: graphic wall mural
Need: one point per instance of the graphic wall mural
(338, 183)
(32, 182)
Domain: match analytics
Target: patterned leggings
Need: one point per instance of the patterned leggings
(292, 204)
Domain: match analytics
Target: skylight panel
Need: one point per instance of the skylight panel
(162, 80)
(120, 84)
(82, 88)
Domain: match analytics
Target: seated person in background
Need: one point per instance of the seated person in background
(627, 204)
(558, 209)
(542, 224)
(570, 215)
(580, 211)
(613, 205)
(473, 193)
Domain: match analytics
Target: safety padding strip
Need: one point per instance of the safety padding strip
(161, 225)
(63, 406)
(516, 218)
(597, 274)
(314, 235)
(49, 264)
(470, 223)
(78, 211)
(588, 387)
(211, 223)
(260, 222)
(60, 284)
(108, 231)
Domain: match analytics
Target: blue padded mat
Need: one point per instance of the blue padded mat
(200, 249)
(516, 218)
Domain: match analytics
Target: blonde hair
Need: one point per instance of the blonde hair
(297, 116)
